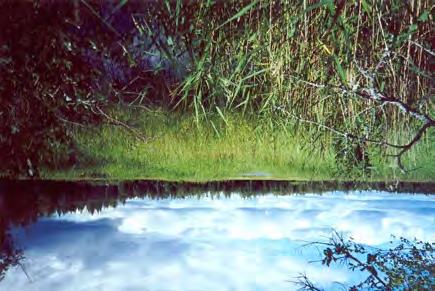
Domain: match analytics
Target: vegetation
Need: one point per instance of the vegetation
(181, 149)
(240, 147)
(253, 83)
(408, 265)
(44, 83)
(312, 63)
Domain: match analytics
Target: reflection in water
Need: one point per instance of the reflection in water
(123, 238)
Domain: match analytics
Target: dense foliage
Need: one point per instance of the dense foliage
(60, 63)
(314, 65)
(44, 82)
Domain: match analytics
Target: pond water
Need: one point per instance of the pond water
(201, 242)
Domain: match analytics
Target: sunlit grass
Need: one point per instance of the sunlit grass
(179, 149)
(419, 162)
(237, 148)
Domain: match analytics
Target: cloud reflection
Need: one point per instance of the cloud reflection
(230, 243)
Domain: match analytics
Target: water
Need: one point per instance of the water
(204, 242)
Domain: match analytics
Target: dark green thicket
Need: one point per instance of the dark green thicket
(44, 83)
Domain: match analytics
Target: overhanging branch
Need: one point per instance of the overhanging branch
(372, 93)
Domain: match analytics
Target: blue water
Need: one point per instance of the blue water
(227, 243)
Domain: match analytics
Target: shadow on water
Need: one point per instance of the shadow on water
(24, 202)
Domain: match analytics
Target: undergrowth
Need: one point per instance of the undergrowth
(178, 147)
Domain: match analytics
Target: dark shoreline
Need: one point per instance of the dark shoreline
(161, 188)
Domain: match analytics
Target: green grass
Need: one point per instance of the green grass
(236, 147)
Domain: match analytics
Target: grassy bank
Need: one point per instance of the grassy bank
(179, 148)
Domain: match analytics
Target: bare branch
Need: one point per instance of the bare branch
(115, 121)
(409, 145)
(342, 133)
(305, 283)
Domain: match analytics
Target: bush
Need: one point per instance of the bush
(45, 82)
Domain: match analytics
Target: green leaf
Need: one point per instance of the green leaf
(424, 16)
(170, 41)
(365, 6)
(221, 115)
(215, 129)
(413, 28)
(340, 70)
(319, 4)
(120, 5)
(177, 13)
(239, 14)
(255, 74)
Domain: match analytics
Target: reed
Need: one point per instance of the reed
(280, 58)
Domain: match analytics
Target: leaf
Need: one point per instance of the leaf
(239, 14)
(340, 70)
(221, 115)
(170, 41)
(365, 6)
(119, 6)
(215, 129)
(424, 16)
(319, 4)
(177, 13)
(255, 74)
(413, 28)
(405, 35)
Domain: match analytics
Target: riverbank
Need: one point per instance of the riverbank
(170, 189)
(180, 148)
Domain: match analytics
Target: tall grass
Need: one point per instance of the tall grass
(180, 148)
(253, 52)
(271, 57)
(252, 66)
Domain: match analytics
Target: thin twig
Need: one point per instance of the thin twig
(71, 122)
(115, 121)
(342, 133)
(93, 11)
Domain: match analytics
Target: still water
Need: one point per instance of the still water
(201, 242)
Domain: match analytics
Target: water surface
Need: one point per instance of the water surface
(204, 242)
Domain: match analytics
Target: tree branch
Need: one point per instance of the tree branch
(115, 121)
(372, 93)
